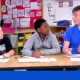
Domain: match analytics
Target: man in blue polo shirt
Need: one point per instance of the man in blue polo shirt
(71, 37)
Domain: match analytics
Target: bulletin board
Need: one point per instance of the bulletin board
(21, 13)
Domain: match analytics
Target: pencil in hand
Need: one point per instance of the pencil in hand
(36, 49)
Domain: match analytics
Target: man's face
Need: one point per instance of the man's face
(1, 33)
(76, 17)
(44, 29)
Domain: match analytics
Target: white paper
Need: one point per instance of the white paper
(9, 9)
(65, 4)
(45, 59)
(32, 59)
(24, 22)
(75, 59)
(19, 2)
(13, 3)
(7, 18)
(27, 12)
(27, 60)
(4, 60)
(21, 13)
(14, 13)
(1, 56)
(73, 55)
(7, 2)
(39, 5)
(48, 10)
(26, 3)
(38, 13)
(33, 5)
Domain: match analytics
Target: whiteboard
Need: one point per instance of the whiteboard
(64, 13)
(48, 11)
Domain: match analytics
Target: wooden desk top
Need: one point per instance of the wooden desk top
(62, 62)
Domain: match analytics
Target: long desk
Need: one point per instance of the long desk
(63, 62)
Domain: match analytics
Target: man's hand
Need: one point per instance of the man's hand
(78, 49)
(68, 51)
(37, 54)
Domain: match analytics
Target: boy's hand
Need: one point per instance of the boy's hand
(37, 54)
(6, 55)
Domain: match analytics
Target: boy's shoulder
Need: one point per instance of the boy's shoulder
(33, 35)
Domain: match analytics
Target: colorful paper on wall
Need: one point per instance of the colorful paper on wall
(14, 13)
(24, 22)
(13, 3)
(7, 2)
(3, 8)
(13, 9)
(7, 18)
(33, 5)
(9, 9)
(27, 12)
(26, 3)
(39, 5)
(18, 2)
(21, 13)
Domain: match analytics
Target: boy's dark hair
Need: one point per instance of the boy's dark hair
(38, 23)
(77, 8)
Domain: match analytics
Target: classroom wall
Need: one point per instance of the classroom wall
(46, 12)
(60, 13)
(64, 12)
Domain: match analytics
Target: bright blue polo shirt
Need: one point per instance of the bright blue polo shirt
(72, 35)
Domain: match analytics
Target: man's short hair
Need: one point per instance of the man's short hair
(77, 8)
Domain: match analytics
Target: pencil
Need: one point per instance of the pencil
(36, 49)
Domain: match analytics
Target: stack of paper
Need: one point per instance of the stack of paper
(4, 59)
(73, 55)
(75, 59)
(32, 59)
